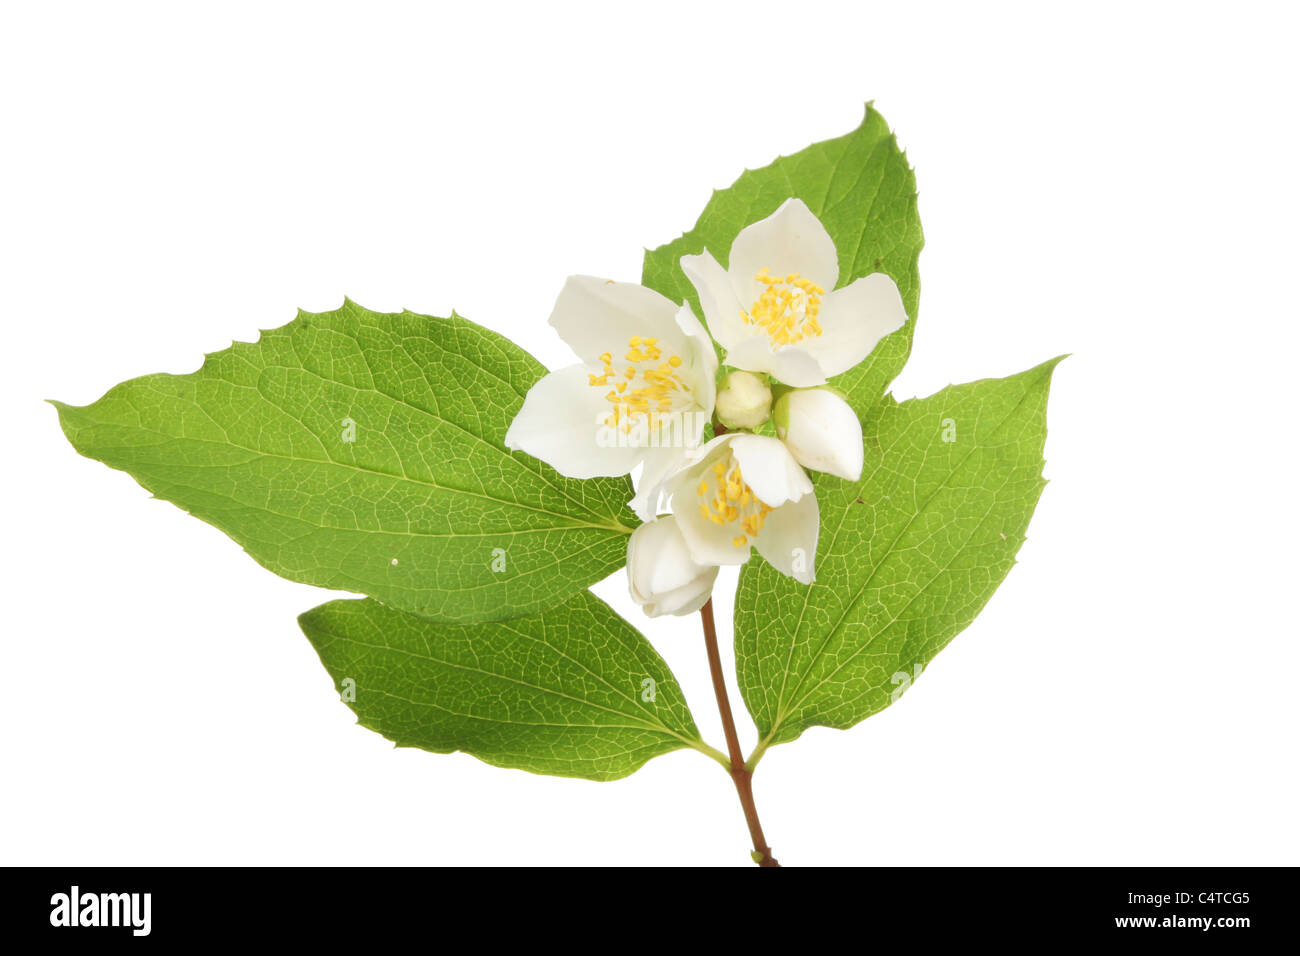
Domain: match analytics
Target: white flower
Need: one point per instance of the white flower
(642, 393)
(744, 400)
(775, 309)
(821, 430)
(662, 577)
(740, 492)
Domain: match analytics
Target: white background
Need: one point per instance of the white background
(1119, 182)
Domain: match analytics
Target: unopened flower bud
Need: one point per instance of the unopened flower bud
(662, 577)
(821, 430)
(744, 401)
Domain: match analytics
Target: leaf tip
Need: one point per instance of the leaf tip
(64, 411)
(1048, 367)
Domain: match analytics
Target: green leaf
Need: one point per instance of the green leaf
(863, 191)
(574, 691)
(363, 452)
(906, 558)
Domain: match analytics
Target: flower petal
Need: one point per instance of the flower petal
(795, 366)
(853, 320)
(770, 469)
(788, 540)
(791, 365)
(703, 363)
(660, 465)
(717, 298)
(792, 239)
(561, 423)
(709, 542)
(596, 315)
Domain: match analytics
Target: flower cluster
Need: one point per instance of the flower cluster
(647, 387)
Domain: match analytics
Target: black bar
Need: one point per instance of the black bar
(363, 904)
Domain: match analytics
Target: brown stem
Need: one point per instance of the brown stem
(741, 776)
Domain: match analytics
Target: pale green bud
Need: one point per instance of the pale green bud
(744, 401)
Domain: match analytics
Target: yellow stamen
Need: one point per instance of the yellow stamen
(787, 308)
(725, 499)
(647, 391)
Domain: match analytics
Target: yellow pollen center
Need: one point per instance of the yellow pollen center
(648, 387)
(726, 500)
(787, 308)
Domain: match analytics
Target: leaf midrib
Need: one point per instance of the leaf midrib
(641, 722)
(332, 463)
(519, 462)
